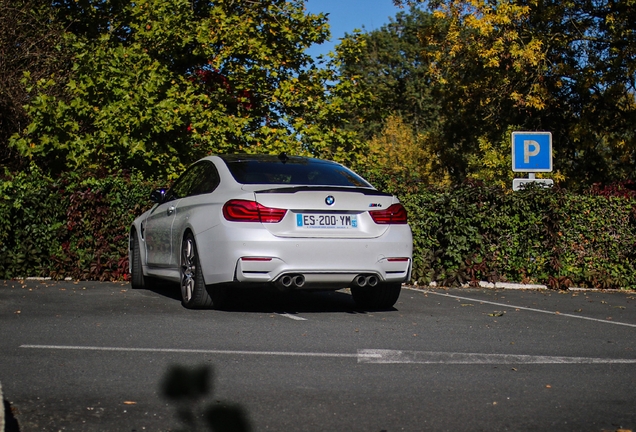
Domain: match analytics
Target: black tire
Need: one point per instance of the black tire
(194, 293)
(137, 278)
(380, 297)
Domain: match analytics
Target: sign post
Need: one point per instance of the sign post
(531, 153)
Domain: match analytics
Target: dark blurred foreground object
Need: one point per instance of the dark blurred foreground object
(187, 387)
(8, 422)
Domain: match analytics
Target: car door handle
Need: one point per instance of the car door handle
(170, 210)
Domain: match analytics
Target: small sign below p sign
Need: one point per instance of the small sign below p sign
(520, 184)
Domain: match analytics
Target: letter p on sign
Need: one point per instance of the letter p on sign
(527, 153)
(532, 152)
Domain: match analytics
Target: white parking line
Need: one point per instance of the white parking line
(530, 309)
(292, 316)
(189, 351)
(377, 356)
(430, 357)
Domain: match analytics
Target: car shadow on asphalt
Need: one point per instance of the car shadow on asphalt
(165, 289)
(293, 302)
(272, 300)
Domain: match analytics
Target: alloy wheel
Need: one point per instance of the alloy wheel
(188, 269)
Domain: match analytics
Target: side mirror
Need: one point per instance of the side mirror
(158, 196)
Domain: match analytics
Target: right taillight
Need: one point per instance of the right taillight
(393, 215)
(251, 211)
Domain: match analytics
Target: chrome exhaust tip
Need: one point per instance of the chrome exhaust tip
(372, 281)
(285, 281)
(299, 281)
(360, 280)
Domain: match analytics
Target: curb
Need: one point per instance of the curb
(40, 278)
(491, 285)
(507, 286)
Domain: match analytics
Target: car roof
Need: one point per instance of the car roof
(282, 157)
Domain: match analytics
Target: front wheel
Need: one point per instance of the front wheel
(380, 297)
(194, 293)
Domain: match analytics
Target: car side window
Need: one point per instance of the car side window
(209, 180)
(198, 179)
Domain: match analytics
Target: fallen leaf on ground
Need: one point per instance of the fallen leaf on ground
(497, 314)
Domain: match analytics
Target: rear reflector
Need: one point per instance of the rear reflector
(397, 259)
(394, 215)
(251, 211)
(255, 259)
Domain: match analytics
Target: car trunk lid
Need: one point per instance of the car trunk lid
(324, 211)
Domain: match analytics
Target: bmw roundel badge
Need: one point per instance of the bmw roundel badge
(330, 200)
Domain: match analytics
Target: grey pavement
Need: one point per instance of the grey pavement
(91, 356)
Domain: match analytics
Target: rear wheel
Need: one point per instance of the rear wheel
(194, 293)
(137, 278)
(380, 297)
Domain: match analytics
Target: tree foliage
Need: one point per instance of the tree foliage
(388, 64)
(159, 83)
(493, 66)
(401, 154)
(29, 42)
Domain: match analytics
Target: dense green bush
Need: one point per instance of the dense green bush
(77, 226)
(74, 226)
(553, 237)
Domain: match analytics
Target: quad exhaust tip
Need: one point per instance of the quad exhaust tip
(291, 281)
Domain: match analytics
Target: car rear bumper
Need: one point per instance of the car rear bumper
(316, 276)
(257, 256)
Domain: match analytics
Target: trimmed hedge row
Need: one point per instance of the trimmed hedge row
(550, 237)
(77, 226)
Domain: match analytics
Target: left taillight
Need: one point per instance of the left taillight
(393, 215)
(251, 211)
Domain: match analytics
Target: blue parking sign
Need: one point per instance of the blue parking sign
(531, 152)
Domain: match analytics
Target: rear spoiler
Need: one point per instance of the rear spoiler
(294, 189)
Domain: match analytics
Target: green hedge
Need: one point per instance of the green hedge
(77, 226)
(74, 226)
(552, 237)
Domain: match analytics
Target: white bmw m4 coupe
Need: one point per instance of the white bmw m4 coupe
(289, 222)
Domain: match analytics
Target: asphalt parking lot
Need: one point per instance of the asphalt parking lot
(92, 356)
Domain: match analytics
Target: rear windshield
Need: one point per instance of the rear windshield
(294, 171)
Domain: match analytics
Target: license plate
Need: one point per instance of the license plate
(328, 221)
